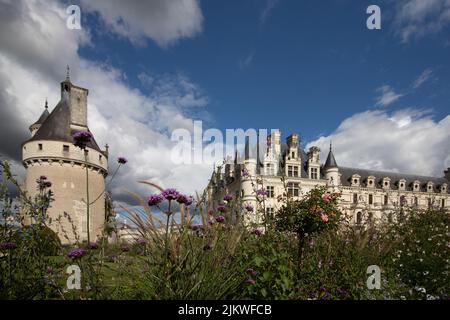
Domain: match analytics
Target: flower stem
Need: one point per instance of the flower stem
(87, 195)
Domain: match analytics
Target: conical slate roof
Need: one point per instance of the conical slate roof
(43, 117)
(56, 126)
(331, 161)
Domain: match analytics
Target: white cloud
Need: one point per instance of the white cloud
(387, 96)
(407, 141)
(36, 46)
(164, 21)
(246, 61)
(424, 77)
(418, 18)
(268, 8)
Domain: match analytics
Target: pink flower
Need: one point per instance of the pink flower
(324, 217)
(327, 197)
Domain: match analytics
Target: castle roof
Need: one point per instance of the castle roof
(395, 177)
(331, 161)
(55, 126)
(43, 117)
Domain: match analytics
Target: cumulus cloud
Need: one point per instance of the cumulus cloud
(387, 96)
(163, 21)
(426, 75)
(418, 18)
(36, 47)
(407, 141)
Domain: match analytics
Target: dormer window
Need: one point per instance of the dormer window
(355, 180)
(371, 181)
(444, 188)
(386, 183)
(430, 186)
(292, 171)
(416, 185)
(402, 184)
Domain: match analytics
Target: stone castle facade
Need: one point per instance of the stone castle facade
(50, 152)
(366, 195)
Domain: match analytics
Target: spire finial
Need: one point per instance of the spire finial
(331, 145)
(68, 73)
(46, 103)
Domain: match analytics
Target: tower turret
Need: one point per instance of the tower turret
(50, 152)
(35, 126)
(331, 169)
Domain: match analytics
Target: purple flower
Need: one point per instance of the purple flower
(81, 139)
(142, 241)
(249, 207)
(8, 246)
(184, 199)
(93, 245)
(125, 248)
(250, 282)
(257, 232)
(42, 178)
(211, 222)
(251, 272)
(220, 219)
(228, 197)
(155, 199)
(122, 160)
(222, 208)
(76, 253)
(261, 192)
(170, 194)
(245, 173)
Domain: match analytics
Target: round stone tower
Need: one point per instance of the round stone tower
(50, 152)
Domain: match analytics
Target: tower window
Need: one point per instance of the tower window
(100, 158)
(355, 198)
(65, 148)
(443, 203)
(370, 199)
(40, 146)
(386, 199)
(314, 173)
(270, 191)
(270, 212)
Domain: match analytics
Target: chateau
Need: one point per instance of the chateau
(50, 152)
(366, 195)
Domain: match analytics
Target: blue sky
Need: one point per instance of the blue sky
(305, 68)
(310, 67)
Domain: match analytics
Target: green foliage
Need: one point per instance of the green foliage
(420, 254)
(316, 212)
(304, 255)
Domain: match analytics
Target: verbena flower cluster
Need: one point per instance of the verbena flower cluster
(81, 139)
(169, 194)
